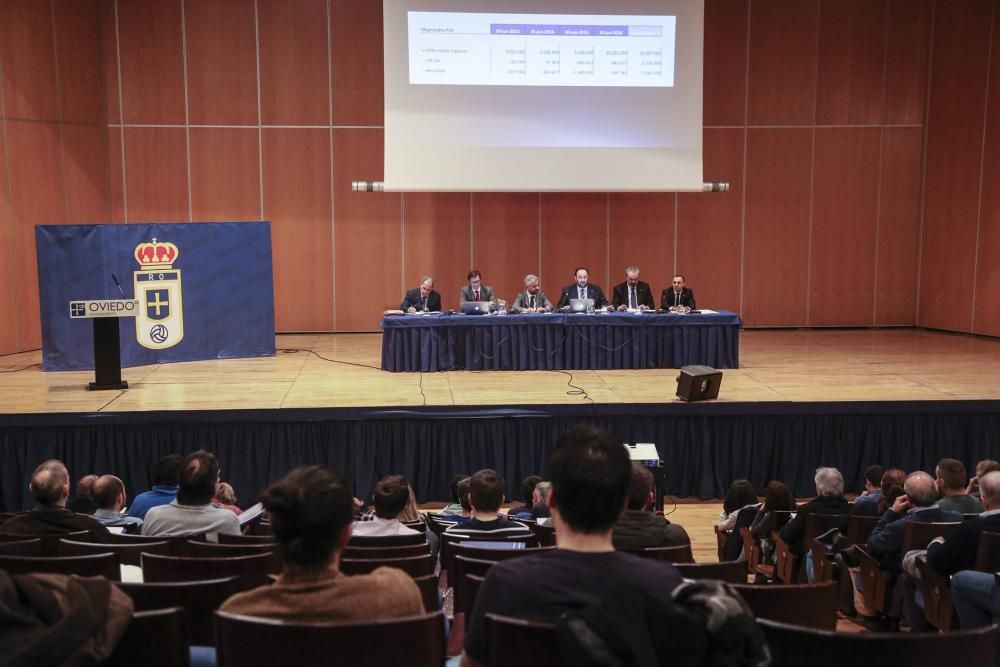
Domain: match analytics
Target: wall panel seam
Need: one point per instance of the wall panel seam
(10, 208)
(923, 165)
(746, 151)
(187, 113)
(982, 167)
(60, 112)
(333, 221)
(881, 154)
(121, 115)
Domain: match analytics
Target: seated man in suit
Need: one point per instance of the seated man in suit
(50, 487)
(638, 527)
(532, 299)
(829, 500)
(677, 298)
(959, 551)
(633, 294)
(422, 299)
(582, 289)
(590, 473)
(476, 291)
(918, 503)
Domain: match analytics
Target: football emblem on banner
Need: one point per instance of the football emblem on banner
(159, 323)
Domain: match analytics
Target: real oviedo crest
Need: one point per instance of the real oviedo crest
(159, 324)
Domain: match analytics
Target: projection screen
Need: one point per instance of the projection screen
(484, 95)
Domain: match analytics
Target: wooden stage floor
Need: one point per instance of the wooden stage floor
(776, 365)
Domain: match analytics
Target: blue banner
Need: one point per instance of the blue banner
(205, 290)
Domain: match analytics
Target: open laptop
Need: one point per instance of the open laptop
(580, 305)
(476, 307)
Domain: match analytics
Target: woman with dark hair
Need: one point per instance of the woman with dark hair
(311, 513)
(892, 488)
(741, 494)
(777, 497)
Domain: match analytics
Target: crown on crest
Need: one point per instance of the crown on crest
(156, 255)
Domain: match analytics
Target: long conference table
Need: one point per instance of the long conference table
(559, 341)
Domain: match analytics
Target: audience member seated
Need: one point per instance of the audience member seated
(164, 490)
(539, 507)
(983, 467)
(872, 493)
(527, 496)
(411, 513)
(83, 503)
(890, 488)
(638, 527)
(590, 473)
(829, 500)
(109, 494)
(741, 494)
(225, 497)
(951, 484)
(50, 488)
(916, 504)
(192, 512)
(959, 551)
(777, 498)
(977, 598)
(311, 513)
(485, 497)
(457, 507)
(393, 495)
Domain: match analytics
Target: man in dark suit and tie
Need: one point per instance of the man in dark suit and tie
(476, 291)
(422, 299)
(582, 289)
(677, 297)
(633, 294)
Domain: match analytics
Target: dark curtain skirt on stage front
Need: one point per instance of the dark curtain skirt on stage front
(559, 341)
(704, 447)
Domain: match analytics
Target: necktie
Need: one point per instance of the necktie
(583, 292)
(424, 303)
(477, 295)
(677, 298)
(531, 303)
(631, 297)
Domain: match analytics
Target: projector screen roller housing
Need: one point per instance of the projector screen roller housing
(490, 96)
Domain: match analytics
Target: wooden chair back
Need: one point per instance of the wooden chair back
(251, 570)
(988, 554)
(389, 551)
(874, 581)
(823, 565)
(386, 540)
(128, 554)
(94, 565)
(732, 571)
(154, 638)
(246, 539)
(812, 605)
(859, 527)
(178, 543)
(516, 641)
(546, 534)
(464, 566)
(25, 547)
(817, 524)
(786, 562)
(415, 566)
(49, 543)
(939, 605)
(213, 550)
(250, 640)
(720, 541)
(199, 598)
(918, 534)
(793, 645)
(678, 554)
(752, 550)
(429, 592)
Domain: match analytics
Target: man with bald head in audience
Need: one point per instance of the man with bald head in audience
(50, 488)
(918, 503)
(109, 495)
(192, 511)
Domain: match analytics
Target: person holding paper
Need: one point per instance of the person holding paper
(422, 299)
(633, 294)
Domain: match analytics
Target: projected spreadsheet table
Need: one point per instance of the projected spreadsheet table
(541, 49)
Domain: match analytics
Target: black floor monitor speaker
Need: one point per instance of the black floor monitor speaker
(698, 383)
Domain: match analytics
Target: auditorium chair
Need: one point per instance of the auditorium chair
(251, 570)
(449, 541)
(196, 549)
(155, 638)
(939, 606)
(516, 641)
(415, 566)
(720, 542)
(199, 598)
(388, 551)
(859, 527)
(248, 640)
(788, 566)
(477, 560)
(24, 547)
(795, 646)
(94, 565)
(178, 543)
(128, 554)
(876, 582)
(50, 543)
(812, 605)
(246, 539)
(386, 540)
(678, 554)
(732, 571)
(429, 592)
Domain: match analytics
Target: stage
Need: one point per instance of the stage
(800, 398)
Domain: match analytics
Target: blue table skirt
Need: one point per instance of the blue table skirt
(556, 341)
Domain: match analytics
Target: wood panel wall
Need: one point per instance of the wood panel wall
(53, 148)
(860, 138)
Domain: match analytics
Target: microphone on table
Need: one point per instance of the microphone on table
(119, 285)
